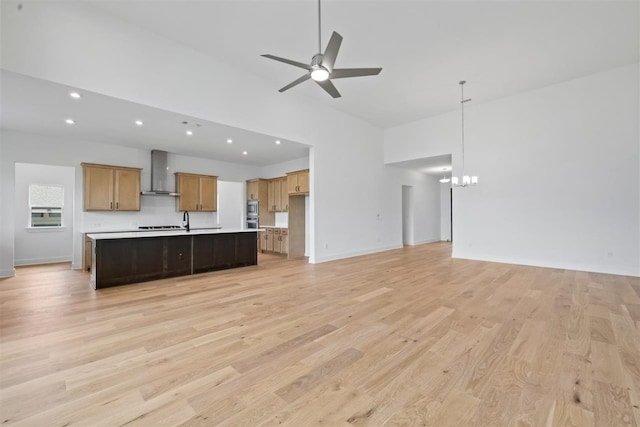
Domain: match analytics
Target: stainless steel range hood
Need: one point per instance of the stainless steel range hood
(159, 175)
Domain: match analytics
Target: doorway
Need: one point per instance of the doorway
(43, 213)
(407, 215)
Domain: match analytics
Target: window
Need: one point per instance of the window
(45, 205)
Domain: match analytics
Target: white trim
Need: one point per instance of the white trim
(603, 269)
(343, 255)
(8, 273)
(34, 261)
(423, 242)
(45, 229)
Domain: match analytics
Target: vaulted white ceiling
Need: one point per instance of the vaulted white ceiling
(424, 47)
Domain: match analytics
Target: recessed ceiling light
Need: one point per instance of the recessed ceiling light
(189, 133)
(244, 153)
(139, 122)
(278, 142)
(75, 95)
(229, 141)
(69, 121)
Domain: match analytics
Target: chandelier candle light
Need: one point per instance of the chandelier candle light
(466, 179)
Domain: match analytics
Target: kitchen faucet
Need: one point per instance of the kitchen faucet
(185, 220)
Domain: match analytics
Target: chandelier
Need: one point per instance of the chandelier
(466, 179)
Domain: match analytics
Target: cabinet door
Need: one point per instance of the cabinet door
(284, 239)
(178, 256)
(270, 238)
(271, 195)
(246, 251)
(98, 188)
(277, 240)
(277, 191)
(208, 187)
(127, 190)
(252, 190)
(303, 182)
(292, 183)
(188, 187)
(264, 236)
(284, 195)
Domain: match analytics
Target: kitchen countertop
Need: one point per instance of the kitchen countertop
(164, 233)
(138, 230)
(273, 226)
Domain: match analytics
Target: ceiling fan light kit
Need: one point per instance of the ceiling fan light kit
(466, 179)
(321, 68)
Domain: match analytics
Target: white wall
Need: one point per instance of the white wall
(231, 204)
(281, 169)
(76, 44)
(445, 212)
(559, 174)
(425, 195)
(39, 246)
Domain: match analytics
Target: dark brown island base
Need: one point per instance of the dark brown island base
(124, 258)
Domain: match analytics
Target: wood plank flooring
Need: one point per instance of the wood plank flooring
(408, 337)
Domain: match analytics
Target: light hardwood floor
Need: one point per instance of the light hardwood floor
(400, 338)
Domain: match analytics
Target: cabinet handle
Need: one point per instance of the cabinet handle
(117, 205)
(110, 205)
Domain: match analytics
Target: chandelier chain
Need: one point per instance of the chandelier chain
(462, 107)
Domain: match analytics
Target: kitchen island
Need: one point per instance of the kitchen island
(132, 257)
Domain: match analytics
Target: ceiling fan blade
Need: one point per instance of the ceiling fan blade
(341, 73)
(331, 52)
(296, 82)
(288, 61)
(329, 87)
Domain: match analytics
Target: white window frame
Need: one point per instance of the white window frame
(47, 205)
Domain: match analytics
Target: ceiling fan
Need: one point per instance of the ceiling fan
(321, 68)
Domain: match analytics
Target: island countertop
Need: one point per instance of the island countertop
(168, 233)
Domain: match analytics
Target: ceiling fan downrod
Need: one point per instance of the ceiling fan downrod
(319, 29)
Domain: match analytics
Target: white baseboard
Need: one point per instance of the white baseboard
(34, 261)
(334, 257)
(604, 269)
(8, 273)
(423, 242)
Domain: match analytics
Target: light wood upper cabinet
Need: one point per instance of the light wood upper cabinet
(127, 189)
(284, 194)
(111, 188)
(253, 189)
(197, 192)
(298, 182)
(278, 195)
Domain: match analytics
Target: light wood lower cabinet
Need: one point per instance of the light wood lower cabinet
(275, 239)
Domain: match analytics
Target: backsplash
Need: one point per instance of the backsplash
(282, 219)
(154, 210)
